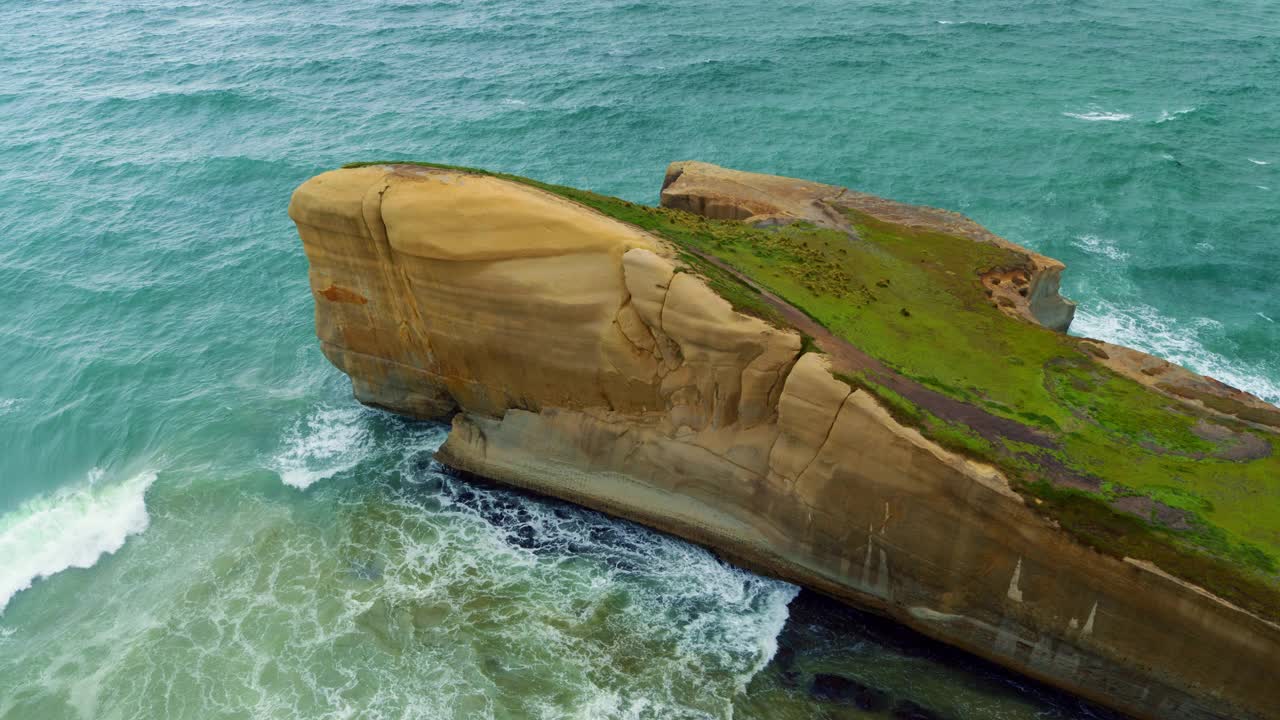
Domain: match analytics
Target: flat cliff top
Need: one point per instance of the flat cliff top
(946, 324)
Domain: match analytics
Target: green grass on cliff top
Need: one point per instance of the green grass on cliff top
(912, 299)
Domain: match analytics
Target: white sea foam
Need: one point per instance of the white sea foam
(70, 528)
(326, 442)
(706, 619)
(1259, 162)
(1095, 245)
(768, 627)
(414, 575)
(1166, 116)
(1099, 115)
(1264, 317)
(1143, 327)
(7, 404)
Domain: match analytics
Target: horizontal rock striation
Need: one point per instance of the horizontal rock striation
(584, 358)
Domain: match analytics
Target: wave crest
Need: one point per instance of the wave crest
(1099, 115)
(71, 528)
(1166, 116)
(326, 442)
(1144, 328)
(1095, 245)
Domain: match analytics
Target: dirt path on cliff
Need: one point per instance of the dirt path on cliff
(847, 358)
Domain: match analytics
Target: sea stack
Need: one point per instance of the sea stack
(872, 399)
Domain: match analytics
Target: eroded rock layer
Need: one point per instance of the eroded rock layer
(581, 357)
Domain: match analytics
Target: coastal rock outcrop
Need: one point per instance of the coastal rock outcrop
(593, 350)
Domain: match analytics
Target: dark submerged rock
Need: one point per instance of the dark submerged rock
(908, 710)
(837, 688)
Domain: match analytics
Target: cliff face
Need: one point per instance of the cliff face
(651, 374)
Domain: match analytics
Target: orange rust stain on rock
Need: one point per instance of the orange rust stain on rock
(343, 295)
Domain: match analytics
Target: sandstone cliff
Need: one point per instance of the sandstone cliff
(819, 393)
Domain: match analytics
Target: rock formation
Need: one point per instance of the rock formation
(650, 374)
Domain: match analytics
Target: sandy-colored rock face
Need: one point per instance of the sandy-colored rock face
(582, 361)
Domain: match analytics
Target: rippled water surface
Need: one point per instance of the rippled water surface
(197, 522)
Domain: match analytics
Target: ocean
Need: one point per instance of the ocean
(196, 519)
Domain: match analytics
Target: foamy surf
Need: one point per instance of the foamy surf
(326, 442)
(71, 528)
(1095, 245)
(1144, 328)
(1166, 116)
(767, 628)
(700, 618)
(1259, 162)
(1099, 116)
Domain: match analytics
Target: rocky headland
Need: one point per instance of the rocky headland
(872, 399)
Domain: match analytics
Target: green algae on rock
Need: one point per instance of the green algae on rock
(867, 397)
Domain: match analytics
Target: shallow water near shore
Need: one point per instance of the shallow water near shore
(395, 589)
(197, 521)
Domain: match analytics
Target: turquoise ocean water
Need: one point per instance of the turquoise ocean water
(196, 521)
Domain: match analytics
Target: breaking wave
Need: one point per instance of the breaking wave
(1166, 116)
(326, 442)
(1099, 116)
(1095, 245)
(70, 528)
(1145, 328)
